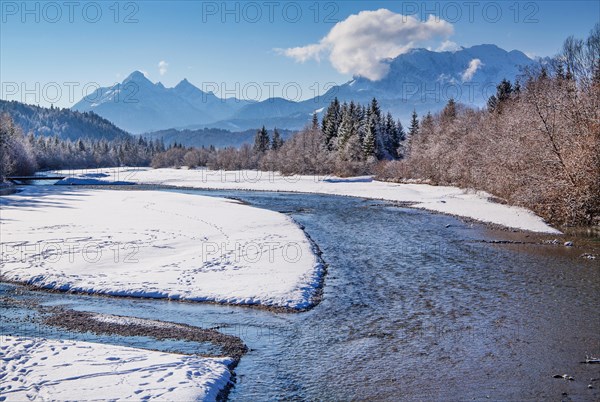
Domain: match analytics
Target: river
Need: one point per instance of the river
(415, 306)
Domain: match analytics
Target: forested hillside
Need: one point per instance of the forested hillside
(206, 137)
(64, 123)
(22, 154)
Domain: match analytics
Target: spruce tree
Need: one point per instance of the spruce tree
(375, 110)
(392, 137)
(315, 121)
(277, 141)
(400, 130)
(377, 129)
(331, 123)
(261, 140)
(414, 124)
(369, 142)
(504, 91)
(346, 127)
(361, 123)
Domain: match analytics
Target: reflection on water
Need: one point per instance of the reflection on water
(591, 232)
(414, 307)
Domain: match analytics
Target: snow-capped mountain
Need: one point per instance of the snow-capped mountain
(425, 80)
(215, 107)
(139, 105)
(421, 79)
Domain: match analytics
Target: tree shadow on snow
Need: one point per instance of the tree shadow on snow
(39, 197)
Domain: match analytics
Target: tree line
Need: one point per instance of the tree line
(349, 139)
(22, 154)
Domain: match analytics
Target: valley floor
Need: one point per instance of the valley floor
(450, 200)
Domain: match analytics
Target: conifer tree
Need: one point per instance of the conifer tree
(504, 91)
(414, 124)
(315, 121)
(346, 128)
(261, 140)
(377, 128)
(391, 135)
(277, 141)
(375, 110)
(400, 131)
(368, 142)
(331, 123)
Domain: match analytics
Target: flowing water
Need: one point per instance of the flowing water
(415, 306)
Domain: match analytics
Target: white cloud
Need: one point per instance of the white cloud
(471, 70)
(447, 46)
(364, 42)
(162, 67)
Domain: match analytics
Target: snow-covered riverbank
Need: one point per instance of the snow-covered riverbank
(450, 200)
(43, 369)
(156, 244)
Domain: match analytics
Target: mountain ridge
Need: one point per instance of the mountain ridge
(421, 80)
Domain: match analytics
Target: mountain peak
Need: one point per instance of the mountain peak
(137, 76)
(185, 88)
(184, 83)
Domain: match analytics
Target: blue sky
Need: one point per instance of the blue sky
(48, 45)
